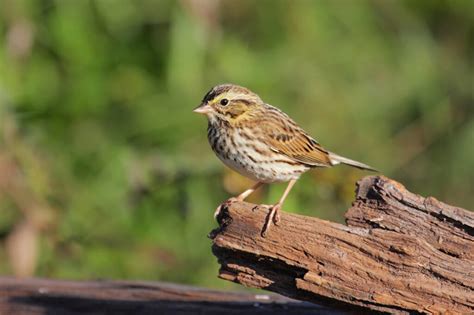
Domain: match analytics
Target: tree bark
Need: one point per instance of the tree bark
(399, 253)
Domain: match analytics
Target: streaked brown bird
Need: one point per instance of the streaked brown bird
(261, 142)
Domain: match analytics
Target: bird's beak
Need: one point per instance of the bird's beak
(204, 109)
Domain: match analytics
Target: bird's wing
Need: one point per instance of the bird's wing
(286, 137)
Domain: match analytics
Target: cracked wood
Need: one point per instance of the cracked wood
(399, 253)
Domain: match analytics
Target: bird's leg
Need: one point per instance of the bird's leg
(240, 197)
(248, 192)
(274, 215)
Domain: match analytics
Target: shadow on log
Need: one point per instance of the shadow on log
(399, 253)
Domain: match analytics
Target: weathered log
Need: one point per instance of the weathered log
(42, 296)
(399, 253)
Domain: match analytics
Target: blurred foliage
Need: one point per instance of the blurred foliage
(106, 173)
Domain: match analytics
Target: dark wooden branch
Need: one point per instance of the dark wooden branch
(38, 296)
(399, 253)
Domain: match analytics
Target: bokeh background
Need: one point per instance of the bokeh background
(105, 172)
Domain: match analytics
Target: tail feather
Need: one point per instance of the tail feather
(337, 159)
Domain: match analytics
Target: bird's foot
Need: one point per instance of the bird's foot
(224, 204)
(276, 216)
(273, 216)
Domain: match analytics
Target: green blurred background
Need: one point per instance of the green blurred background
(105, 172)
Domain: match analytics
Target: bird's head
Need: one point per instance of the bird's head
(228, 102)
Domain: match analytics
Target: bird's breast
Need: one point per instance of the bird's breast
(251, 156)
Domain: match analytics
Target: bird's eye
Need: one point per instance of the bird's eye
(224, 102)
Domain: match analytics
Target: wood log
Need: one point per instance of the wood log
(399, 253)
(43, 296)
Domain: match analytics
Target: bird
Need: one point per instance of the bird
(262, 143)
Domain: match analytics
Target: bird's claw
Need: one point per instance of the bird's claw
(273, 216)
(276, 218)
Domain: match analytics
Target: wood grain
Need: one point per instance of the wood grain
(399, 253)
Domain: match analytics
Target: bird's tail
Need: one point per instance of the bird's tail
(337, 159)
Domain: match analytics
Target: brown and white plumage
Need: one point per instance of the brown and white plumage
(260, 141)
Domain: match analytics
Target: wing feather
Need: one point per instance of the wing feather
(286, 137)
